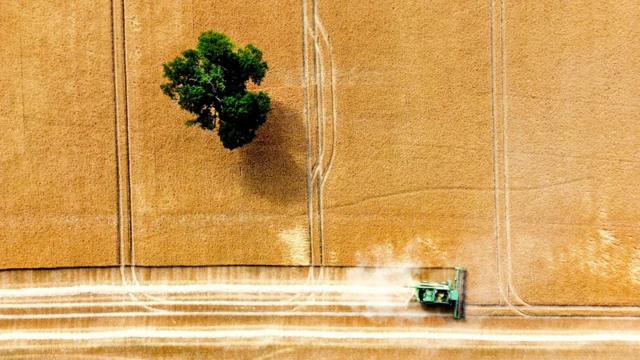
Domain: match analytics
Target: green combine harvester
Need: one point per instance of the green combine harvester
(447, 293)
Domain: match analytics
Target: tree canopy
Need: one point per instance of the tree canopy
(210, 82)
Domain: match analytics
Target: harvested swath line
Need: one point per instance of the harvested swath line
(168, 289)
(316, 334)
(223, 314)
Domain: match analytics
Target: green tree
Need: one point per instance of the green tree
(210, 82)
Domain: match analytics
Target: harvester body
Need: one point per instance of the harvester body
(442, 293)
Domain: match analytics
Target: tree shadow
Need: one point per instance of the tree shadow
(274, 165)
